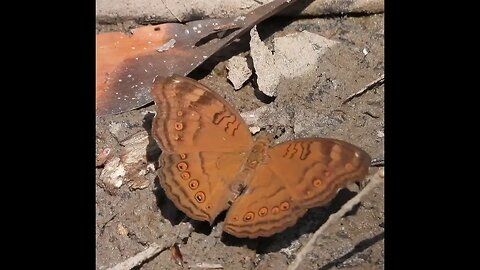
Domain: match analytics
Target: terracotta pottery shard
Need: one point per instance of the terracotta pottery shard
(127, 65)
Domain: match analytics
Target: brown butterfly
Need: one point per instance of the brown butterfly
(210, 162)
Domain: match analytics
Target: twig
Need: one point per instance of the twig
(369, 86)
(206, 266)
(150, 252)
(178, 19)
(182, 230)
(375, 180)
(102, 229)
(377, 162)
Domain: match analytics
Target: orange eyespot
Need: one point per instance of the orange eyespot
(200, 197)
(317, 182)
(263, 211)
(349, 167)
(182, 166)
(284, 206)
(179, 113)
(275, 210)
(183, 156)
(185, 175)
(193, 184)
(249, 216)
(178, 126)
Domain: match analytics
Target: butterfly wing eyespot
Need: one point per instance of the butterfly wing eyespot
(185, 175)
(284, 206)
(182, 166)
(263, 211)
(249, 216)
(193, 184)
(178, 126)
(200, 197)
(349, 167)
(317, 182)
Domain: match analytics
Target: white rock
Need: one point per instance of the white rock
(267, 74)
(238, 71)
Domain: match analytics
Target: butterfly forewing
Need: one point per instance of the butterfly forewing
(192, 118)
(204, 142)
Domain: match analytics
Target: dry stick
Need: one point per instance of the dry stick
(206, 266)
(369, 86)
(165, 4)
(375, 180)
(131, 262)
(152, 251)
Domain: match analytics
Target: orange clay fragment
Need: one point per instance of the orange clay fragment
(127, 65)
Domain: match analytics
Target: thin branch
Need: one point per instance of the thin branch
(178, 19)
(369, 86)
(375, 180)
(377, 162)
(102, 229)
(180, 231)
(206, 266)
(136, 260)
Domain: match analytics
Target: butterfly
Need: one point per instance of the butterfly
(210, 163)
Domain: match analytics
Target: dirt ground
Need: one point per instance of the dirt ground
(129, 220)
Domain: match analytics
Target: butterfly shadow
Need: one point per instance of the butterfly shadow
(152, 151)
(361, 246)
(309, 223)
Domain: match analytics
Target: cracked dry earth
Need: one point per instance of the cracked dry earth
(138, 213)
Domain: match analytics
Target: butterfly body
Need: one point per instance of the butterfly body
(257, 156)
(211, 163)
